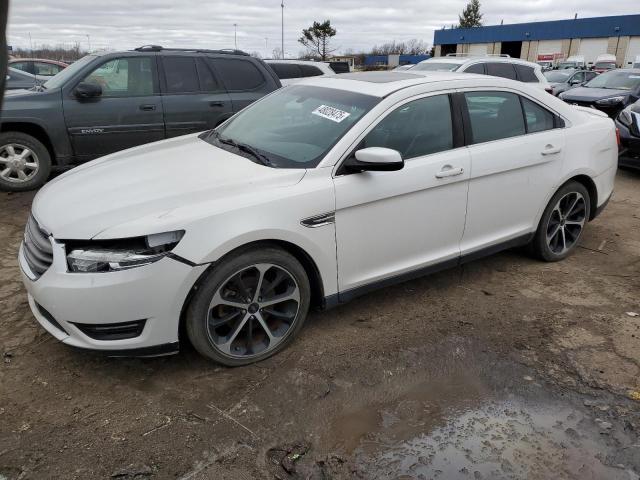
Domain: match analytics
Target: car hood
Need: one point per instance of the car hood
(588, 94)
(133, 192)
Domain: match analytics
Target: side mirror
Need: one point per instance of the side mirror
(87, 90)
(375, 159)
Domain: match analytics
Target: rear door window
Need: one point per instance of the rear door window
(538, 118)
(208, 82)
(181, 75)
(501, 69)
(238, 75)
(285, 71)
(526, 74)
(494, 115)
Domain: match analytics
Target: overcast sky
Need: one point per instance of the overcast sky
(124, 24)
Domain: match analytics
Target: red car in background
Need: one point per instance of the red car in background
(38, 66)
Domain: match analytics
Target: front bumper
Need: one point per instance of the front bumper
(155, 293)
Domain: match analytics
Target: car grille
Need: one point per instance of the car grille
(37, 248)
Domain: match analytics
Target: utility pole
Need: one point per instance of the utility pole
(235, 34)
(282, 37)
(89, 42)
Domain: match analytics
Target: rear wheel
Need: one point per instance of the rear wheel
(562, 223)
(25, 162)
(249, 307)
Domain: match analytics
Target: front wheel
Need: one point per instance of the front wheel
(562, 223)
(249, 307)
(25, 162)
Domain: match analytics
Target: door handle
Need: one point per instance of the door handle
(147, 107)
(216, 104)
(550, 150)
(449, 171)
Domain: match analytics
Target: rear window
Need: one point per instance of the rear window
(238, 75)
(504, 70)
(526, 74)
(310, 71)
(286, 70)
(475, 68)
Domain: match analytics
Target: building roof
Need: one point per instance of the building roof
(620, 25)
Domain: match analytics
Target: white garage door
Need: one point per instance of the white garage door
(546, 47)
(590, 48)
(633, 51)
(478, 48)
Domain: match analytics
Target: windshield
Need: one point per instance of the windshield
(436, 66)
(60, 78)
(605, 64)
(558, 76)
(568, 65)
(616, 80)
(293, 127)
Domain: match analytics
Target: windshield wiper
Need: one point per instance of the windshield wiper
(263, 159)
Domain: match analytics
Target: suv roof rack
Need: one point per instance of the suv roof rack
(505, 55)
(158, 48)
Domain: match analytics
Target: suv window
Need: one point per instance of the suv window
(310, 70)
(24, 66)
(590, 75)
(416, 128)
(46, 69)
(475, 68)
(180, 74)
(538, 118)
(208, 82)
(237, 74)
(286, 70)
(124, 77)
(526, 74)
(494, 115)
(501, 69)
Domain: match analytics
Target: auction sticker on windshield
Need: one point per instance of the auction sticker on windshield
(331, 113)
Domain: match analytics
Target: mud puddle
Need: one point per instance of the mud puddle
(461, 412)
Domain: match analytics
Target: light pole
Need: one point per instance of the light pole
(282, 37)
(235, 34)
(89, 42)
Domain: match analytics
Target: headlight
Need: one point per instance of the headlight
(610, 100)
(113, 255)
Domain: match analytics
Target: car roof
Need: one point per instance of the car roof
(382, 84)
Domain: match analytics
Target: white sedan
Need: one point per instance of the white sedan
(309, 197)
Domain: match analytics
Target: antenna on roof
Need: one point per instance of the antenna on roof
(575, 17)
(502, 21)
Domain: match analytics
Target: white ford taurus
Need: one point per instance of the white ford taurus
(317, 193)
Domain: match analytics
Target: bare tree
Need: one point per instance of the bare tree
(59, 52)
(277, 53)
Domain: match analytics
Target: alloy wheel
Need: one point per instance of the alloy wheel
(566, 222)
(253, 310)
(18, 163)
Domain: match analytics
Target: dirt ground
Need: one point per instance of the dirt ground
(504, 368)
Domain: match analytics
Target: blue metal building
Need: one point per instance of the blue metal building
(617, 35)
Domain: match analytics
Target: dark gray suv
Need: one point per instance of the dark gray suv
(107, 102)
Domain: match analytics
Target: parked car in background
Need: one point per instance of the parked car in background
(563, 80)
(495, 65)
(17, 79)
(38, 66)
(107, 102)
(400, 68)
(293, 71)
(604, 63)
(545, 65)
(574, 61)
(636, 62)
(307, 198)
(610, 91)
(628, 123)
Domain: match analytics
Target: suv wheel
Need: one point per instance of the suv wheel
(562, 223)
(249, 307)
(25, 162)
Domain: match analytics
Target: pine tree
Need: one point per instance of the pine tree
(471, 16)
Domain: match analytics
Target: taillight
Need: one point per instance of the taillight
(618, 136)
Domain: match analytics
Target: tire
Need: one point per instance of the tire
(228, 317)
(562, 223)
(11, 174)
